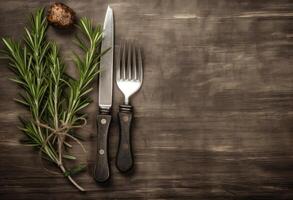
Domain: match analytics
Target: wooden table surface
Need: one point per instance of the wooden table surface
(213, 120)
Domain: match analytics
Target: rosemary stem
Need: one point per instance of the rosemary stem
(71, 179)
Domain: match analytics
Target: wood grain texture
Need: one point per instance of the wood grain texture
(213, 120)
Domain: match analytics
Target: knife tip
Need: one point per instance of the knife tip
(109, 8)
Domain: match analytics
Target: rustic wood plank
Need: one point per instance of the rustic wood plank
(212, 121)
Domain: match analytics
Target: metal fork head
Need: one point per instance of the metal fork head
(129, 70)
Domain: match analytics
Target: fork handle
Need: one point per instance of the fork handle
(124, 159)
(102, 171)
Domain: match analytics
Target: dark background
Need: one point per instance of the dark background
(213, 120)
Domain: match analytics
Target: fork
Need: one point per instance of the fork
(129, 77)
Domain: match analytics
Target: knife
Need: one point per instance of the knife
(102, 171)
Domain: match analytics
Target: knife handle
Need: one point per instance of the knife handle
(102, 171)
(124, 160)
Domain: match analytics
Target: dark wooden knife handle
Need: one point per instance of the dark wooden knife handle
(102, 171)
(124, 159)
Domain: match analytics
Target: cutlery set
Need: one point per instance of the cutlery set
(129, 77)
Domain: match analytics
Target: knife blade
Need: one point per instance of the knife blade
(102, 172)
(106, 65)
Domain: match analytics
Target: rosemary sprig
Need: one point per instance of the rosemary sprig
(54, 99)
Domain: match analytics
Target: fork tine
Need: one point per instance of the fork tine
(134, 65)
(123, 64)
(140, 69)
(129, 61)
(118, 64)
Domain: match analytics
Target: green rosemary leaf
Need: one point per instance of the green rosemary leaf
(75, 170)
(69, 157)
(22, 102)
(80, 43)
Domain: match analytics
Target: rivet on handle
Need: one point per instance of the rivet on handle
(103, 121)
(101, 151)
